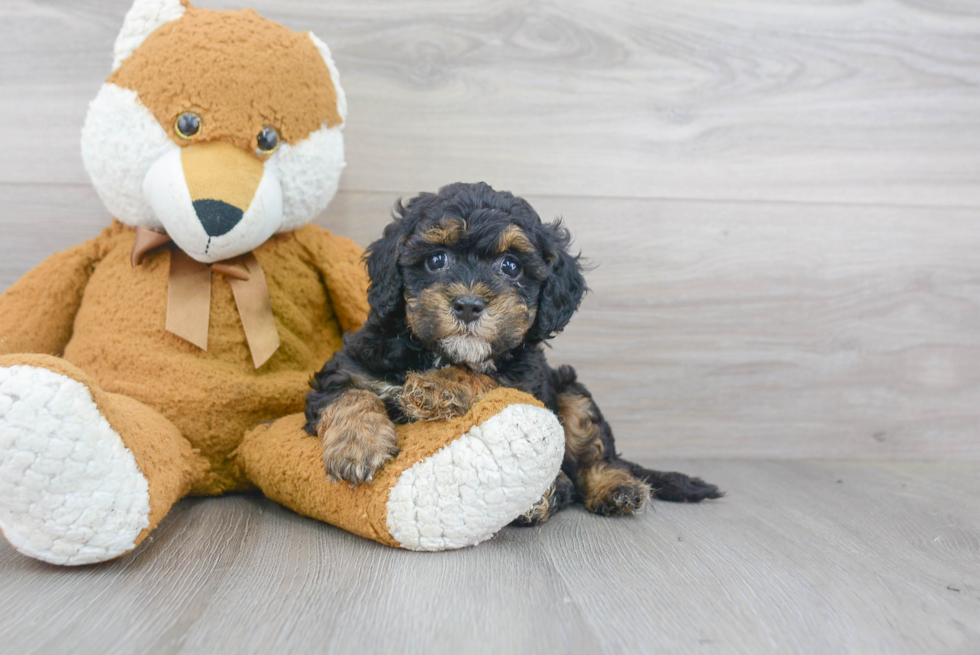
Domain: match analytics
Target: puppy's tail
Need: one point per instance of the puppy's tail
(674, 487)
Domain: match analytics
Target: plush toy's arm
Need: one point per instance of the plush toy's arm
(37, 312)
(339, 261)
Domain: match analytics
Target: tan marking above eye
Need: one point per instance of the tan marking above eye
(446, 232)
(514, 238)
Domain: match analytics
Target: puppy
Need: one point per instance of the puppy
(466, 286)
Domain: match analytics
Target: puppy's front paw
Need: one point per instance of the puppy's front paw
(432, 396)
(358, 437)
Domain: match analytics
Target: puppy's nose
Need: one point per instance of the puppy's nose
(468, 308)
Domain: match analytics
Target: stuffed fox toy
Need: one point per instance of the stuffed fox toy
(170, 355)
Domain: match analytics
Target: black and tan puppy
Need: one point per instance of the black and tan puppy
(466, 286)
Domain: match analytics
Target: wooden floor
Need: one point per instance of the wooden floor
(781, 201)
(802, 557)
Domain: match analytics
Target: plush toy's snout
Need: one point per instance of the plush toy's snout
(214, 200)
(222, 181)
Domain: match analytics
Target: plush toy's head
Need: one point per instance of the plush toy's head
(220, 128)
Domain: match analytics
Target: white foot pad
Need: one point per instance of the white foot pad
(70, 490)
(479, 483)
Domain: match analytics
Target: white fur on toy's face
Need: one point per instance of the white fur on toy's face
(165, 188)
(136, 167)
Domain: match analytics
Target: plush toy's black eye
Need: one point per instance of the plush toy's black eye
(510, 267)
(437, 261)
(187, 125)
(268, 140)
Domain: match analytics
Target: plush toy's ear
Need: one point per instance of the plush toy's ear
(141, 19)
(562, 291)
(334, 76)
(385, 293)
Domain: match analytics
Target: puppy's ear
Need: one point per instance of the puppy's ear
(385, 293)
(562, 291)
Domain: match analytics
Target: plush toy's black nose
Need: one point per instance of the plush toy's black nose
(217, 217)
(468, 308)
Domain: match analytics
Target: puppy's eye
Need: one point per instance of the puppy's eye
(437, 261)
(510, 267)
(268, 140)
(187, 125)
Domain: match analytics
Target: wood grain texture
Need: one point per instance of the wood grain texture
(769, 329)
(729, 329)
(802, 557)
(725, 327)
(867, 102)
(780, 201)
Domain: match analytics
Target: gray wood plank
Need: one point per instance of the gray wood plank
(769, 329)
(811, 101)
(728, 325)
(821, 331)
(792, 562)
(731, 329)
(363, 597)
(801, 557)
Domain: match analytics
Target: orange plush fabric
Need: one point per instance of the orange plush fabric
(95, 315)
(119, 339)
(272, 449)
(169, 463)
(189, 416)
(170, 76)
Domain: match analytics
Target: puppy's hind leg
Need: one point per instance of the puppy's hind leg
(606, 487)
(672, 486)
(558, 497)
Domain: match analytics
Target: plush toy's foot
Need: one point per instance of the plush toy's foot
(454, 483)
(70, 490)
(85, 475)
(479, 483)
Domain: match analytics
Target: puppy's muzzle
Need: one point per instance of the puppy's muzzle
(468, 308)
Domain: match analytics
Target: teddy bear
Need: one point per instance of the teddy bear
(170, 355)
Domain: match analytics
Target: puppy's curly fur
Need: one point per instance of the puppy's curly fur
(466, 286)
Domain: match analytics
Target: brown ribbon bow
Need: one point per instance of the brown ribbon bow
(189, 296)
